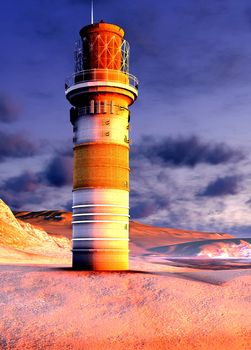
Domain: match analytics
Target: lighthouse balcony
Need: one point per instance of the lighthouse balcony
(101, 77)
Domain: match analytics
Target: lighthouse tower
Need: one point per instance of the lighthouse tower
(101, 91)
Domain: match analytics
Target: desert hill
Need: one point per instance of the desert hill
(47, 234)
(142, 236)
(25, 240)
(146, 241)
(54, 222)
(225, 248)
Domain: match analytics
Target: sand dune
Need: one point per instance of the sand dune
(142, 236)
(47, 234)
(54, 222)
(174, 309)
(209, 254)
(22, 239)
(208, 248)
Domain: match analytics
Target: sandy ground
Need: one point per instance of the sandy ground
(150, 307)
(44, 304)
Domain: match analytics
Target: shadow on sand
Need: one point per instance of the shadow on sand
(216, 277)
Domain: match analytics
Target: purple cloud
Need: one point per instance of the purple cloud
(222, 186)
(58, 172)
(16, 146)
(26, 182)
(9, 109)
(184, 151)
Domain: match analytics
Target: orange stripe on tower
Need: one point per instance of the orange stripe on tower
(101, 166)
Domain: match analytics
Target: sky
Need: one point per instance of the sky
(190, 127)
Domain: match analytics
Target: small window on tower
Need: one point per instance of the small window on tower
(102, 107)
(97, 107)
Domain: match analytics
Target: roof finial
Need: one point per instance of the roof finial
(91, 11)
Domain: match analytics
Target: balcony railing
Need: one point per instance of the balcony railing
(101, 75)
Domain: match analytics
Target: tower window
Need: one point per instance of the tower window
(103, 107)
(97, 107)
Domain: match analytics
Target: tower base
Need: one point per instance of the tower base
(100, 259)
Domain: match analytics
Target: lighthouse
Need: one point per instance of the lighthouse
(101, 90)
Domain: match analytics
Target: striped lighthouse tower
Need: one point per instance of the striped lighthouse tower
(101, 91)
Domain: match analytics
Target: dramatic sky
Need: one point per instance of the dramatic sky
(191, 125)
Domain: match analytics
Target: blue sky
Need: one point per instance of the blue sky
(190, 158)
